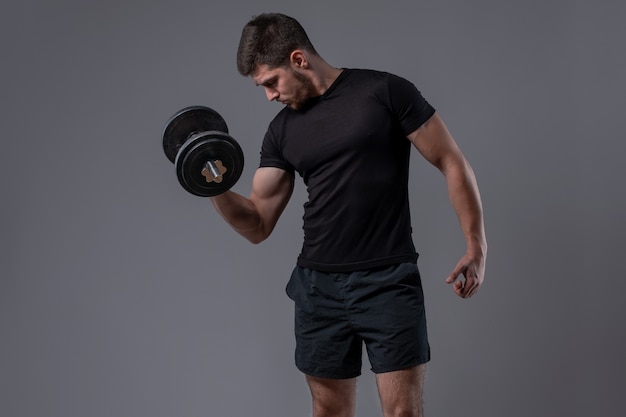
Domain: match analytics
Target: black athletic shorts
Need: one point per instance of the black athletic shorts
(335, 313)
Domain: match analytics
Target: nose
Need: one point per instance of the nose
(271, 94)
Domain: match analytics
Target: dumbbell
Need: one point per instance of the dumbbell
(208, 160)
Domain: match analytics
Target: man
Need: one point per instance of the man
(348, 133)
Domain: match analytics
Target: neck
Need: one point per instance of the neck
(322, 74)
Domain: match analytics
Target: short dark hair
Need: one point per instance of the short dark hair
(269, 39)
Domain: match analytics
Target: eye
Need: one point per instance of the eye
(271, 83)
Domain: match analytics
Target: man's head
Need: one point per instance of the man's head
(276, 52)
(269, 39)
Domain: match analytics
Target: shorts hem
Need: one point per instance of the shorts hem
(329, 375)
(382, 370)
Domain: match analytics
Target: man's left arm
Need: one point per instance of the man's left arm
(436, 144)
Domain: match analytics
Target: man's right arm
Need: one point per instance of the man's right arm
(255, 217)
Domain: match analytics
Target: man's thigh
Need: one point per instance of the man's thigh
(401, 391)
(333, 397)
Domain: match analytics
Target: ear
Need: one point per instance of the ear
(298, 59)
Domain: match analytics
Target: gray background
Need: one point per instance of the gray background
(122, 295)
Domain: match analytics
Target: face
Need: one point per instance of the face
(285, 85)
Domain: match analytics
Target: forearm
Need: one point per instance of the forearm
(255, 217)
(465, 198)
(241, 214)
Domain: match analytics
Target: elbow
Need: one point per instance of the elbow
(255, 236)
(255, 240)
(454, 165)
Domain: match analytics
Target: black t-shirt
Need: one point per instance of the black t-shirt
(350, 147)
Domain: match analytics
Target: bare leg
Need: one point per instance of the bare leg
(401, 392)
(332, 397)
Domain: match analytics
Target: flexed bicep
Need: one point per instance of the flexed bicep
(271, 190)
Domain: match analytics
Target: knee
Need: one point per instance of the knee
(404, 412)
(335, 409)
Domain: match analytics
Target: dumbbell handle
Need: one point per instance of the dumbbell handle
(213, 171)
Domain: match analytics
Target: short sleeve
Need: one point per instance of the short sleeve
(408, 104)
(271, 153)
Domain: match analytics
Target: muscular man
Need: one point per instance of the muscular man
(348, 134)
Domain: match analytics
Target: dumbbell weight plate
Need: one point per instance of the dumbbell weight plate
(200, 148)
(182, 125)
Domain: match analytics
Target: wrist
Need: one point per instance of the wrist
(477, 244)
